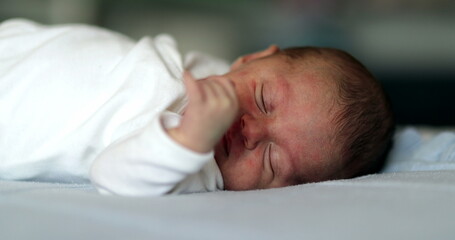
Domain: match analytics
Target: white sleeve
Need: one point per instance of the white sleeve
(146, 163)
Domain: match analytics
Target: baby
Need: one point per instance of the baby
(299, 115)
(79, 102)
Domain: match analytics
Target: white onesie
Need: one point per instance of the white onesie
(79, 102)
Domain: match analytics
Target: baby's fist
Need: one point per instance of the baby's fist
(212, 108)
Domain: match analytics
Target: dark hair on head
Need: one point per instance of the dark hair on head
(365, 122)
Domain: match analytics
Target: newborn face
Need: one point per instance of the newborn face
(283, 134)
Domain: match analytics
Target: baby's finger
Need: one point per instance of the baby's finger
(192, 87)
(187, 75)
(218, 88)
(228, 87)
(209, 90)
(226, 95)
(212, 90)
(187, 78)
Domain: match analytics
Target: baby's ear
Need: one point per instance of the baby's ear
(272, 49)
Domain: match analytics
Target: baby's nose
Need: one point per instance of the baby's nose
(252, 131)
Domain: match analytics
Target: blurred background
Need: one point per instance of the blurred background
(409, 45)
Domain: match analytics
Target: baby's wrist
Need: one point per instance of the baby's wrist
(188, 142)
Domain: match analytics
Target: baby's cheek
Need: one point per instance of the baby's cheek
(253, 163)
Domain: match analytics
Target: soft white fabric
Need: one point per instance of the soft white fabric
(422, 149)
(390, 206)
(71, 93)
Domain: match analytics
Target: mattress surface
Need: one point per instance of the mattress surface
(406, 205)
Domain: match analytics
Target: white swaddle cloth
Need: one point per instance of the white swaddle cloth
(68, 91)
(422, 150)
(71, 95)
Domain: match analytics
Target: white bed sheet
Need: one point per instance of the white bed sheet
(391, 205)
(408, 205)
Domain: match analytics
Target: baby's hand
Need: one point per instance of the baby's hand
(212, 108)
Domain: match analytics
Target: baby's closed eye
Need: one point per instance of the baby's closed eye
(268, 158)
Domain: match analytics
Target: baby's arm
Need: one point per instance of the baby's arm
(152, 162)
(212, 107)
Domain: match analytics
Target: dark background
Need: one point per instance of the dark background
(409, 45)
